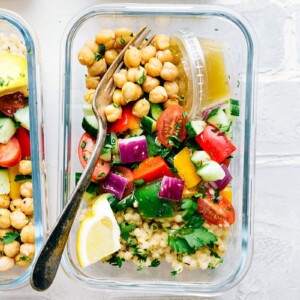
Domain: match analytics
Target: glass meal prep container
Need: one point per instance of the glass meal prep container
(208, 23)
(13, 25)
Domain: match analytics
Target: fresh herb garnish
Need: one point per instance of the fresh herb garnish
(26, 258)
(10, 237)
(116, 105)
(83, 144)
(20, 177)
(122, 41)
(139, 182)
(101, 175)
(126, 229)
(142, 79)
(116, 261)
(154, 263)
(174, 273)
(97, 56)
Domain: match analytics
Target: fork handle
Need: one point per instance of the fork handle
(48, 260)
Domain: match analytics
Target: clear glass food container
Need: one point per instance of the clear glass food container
(11, 23)
(208, 23)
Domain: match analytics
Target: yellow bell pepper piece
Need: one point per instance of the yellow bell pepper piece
(14, 186)
(186, 169)
(227, 193)
(188, 193)
(13, 73)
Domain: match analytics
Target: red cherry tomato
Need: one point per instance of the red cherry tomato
(9, 104)
(126, 173)
(127, 121)
(215, 144)
(220, 213)
(10, 153)
(23, 137)
(171, 123)
(85, 149)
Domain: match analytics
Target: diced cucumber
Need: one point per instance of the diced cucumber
(211, 171)
(88, 109)
(218, 118)
(199, 158)
(116, 158)
(4, 182)
(105, 154)
(148, 124)
(155, 110)
(7, 129)
(22, 116)
(90, 125)
(194, 128)
(114, 143)
(233, 109)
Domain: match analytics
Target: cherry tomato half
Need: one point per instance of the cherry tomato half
(220, 213)
(215, 144)
(23, 137)
(85, 149)
(9, 104)
(171, 123)
(10, 153)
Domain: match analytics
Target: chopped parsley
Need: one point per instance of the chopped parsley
(10, 237)
(126, 229)
(142, 79)
(116, 105)
(101, 175)
(26, 258)
(20, 177)
(116, 261)
(155, 263)
(101, 48)
(122, 41)
(174, 273)
(83, 144)
(97, 56)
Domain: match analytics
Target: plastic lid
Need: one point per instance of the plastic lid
(189, 58)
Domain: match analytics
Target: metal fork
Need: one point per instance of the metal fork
(47, 263)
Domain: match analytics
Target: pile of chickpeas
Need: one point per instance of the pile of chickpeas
(149, 76)
(16, 216)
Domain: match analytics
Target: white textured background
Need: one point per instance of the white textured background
(274, 273)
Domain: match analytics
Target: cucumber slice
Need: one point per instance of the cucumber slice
(136, 132)
(211, 171)
(148, 124)
(105, 154)
(4, 182)
(7, 129)
(199, 158)
(90, 125)
(233, 109)
(22, 116)
(155, 110)
(218, 118)
(88, 109)
(194, 128)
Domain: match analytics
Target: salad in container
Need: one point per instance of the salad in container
(22, 193)
(164, 208)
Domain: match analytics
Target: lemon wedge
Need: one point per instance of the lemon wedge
(99, 233)
(13, 73)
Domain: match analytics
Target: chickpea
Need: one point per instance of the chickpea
(170, 102)
(169, 72)
(153, 67)
(120, 78)
(86, 56)
(4, 201)
(147, 53)
(150, 83)
(27, 206)
(165, 55)
(161, 42)
(118, 98)
(112, 112)
(27, 234)
(132, 57)
(97, 68)
(172, 89)
(110, 56)
(22, 260)
(26, 189)
(27, 249)
(18, 219)
(91, 82)
(123, 36)
(4, 218)
(89, 95)
(141, 108)
(6, 263)
(12, 249)
(25, 167)
(137, 74)
(15, 204)
(92, 45)
(158, 95)
(131, 91)
(24, 91)
(106, 37)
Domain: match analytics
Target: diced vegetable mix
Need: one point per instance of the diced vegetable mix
(17, 239)
(172, 198)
